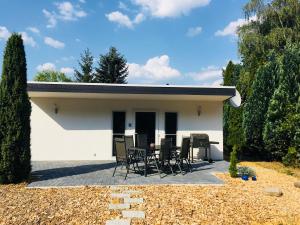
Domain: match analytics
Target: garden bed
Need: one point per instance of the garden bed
(237, 202)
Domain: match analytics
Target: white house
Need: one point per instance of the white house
(77, 121)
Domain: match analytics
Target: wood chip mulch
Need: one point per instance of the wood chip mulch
(237, 202)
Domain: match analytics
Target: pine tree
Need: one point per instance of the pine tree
(112, 68)
(14, 114)
(86, 74)
(257, 106)
(282, 119)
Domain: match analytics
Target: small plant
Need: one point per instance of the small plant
(233, 162)
(246, 171)
(292, 158)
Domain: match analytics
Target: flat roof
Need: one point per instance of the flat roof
(131, 89)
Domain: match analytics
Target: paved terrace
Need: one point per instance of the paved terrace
(81, 173)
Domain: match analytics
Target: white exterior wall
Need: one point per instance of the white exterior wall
(82, 128)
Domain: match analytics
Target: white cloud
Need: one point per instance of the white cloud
(4, 33)
(27, 39)
(119, 18)
(232, 28)
(33, 30)
(52, 20)
(123, 6)
(54, 43)
(67, 70)
(194, 31)
(208, 76)
(65, 12)
(139, 18)
(155, 69)
(68, 12)
(170, 8)
(46, 66)
(124, 20)
(51, 67)
(82, 1)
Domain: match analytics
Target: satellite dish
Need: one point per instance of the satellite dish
(236, 100)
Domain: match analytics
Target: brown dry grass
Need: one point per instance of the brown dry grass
(237, 202)
(279, 167)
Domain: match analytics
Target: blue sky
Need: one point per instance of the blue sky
(164, 41)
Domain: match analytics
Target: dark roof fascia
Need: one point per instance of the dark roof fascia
(130, 89)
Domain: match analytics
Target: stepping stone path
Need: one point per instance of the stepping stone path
(121, 200)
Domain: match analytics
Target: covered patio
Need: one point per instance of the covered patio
(98, 173)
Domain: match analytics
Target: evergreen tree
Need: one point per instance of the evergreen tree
(257, 105)
(231, 77)
(85, 74)
(15, 112)
(51, 76)
(280, 130)
(232, 116)
(233, 171)
(112, 68)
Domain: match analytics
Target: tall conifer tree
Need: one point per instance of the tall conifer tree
(15, 112)
(85, 74)
(112, 68)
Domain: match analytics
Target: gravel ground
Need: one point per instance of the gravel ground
(237, 202)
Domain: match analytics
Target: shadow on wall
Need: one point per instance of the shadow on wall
(73, 114)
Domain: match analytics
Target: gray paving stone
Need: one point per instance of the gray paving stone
(81, 173)
(116, 187)
(119, 206)
(133, 214)
(118, 222)
(135, 192)
(133, 200)
(120, 195)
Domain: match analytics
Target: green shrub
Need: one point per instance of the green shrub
(292, 158)
(233, 162)
(244, 170)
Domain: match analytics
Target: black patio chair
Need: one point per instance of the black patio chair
(165, 154)
(133, 157)
(122, 157)
(142, 141)
(184, 154)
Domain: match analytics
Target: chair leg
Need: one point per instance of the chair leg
(115, 169)
(157, 168)
(171, 167)
(178, 164)
(189, 164)
(127, 171)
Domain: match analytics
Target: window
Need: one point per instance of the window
(171, 126)
(118, 127)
